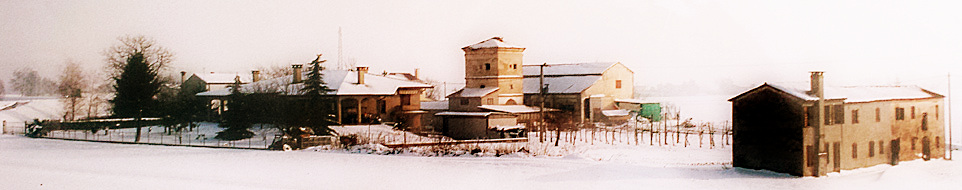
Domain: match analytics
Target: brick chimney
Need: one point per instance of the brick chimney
(297, 73)
(361, 71)
(416, 70)
(255, 76)
(818, 86)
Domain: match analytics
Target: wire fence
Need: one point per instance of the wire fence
(157, 135)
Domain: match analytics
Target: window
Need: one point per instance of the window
(899, 113)
(490, 100)
(465, 101)
(881, 147)
(854, 150)
(511, 86)
(938, 142)
(828, 120)
(618, 84)
(913, 112)
(839, 114)
(877, 114)
(405, 99)
(487, 66)
(808, 115)
(936, 112)
(925, 121)
(482, 86)
(812, 156)
(514, 66)
(913, 142)
(854, 116)
(871, 148)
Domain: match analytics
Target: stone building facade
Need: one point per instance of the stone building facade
(814, 132)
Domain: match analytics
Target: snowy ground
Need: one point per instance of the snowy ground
(56, 164)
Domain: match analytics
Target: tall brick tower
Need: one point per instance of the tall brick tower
(495, 64)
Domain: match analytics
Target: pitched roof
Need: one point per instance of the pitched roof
(435, 105)
(568, 69)
(343, 82)
(473, 92)
(855, 93)
(494, 42)
(560, 84)
(512, 108)
(223, 78)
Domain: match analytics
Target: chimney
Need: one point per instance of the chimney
(255, 76)
(818, 86)
(416, 73)
(183, 76)
(297, 73)
(361, 71)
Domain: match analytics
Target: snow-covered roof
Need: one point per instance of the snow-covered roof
(856, 93)
(633, 101)
(511, 108)
(343, 82)
(562, 84)
(435, 105)
(223, 78)
(567, 69)
(494, 42)
(473, 92)
(615, 113)
(403, 76)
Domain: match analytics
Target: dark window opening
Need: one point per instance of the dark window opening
(936, 112)
(871, 148)
(925, 121)
(899, 113)
(854, 150)
(487, 66)
(482, 86)
(854, 116)
(938, 142)
(618, 84)
(877, 115)
(828, 119)
(881, 147)
(913, 112)
(839, 114)
(405, 99)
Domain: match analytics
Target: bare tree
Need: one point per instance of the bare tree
(275, 71)
(2, 90)
(156, 57)
(28, 82)
(436, 93)
(72, 85)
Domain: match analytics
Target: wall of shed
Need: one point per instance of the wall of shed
(767, 132)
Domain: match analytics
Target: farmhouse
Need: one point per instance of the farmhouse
(361, 97)
(501, 94)
(828, 129)
(217, 81)
(590, 90)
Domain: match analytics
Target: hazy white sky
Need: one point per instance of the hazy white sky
(749, 42)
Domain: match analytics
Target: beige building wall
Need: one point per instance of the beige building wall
(868, 142)
(607, 89)
(496, 67)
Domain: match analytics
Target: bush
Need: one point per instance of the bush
(232, 135)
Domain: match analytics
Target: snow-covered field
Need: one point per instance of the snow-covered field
(57, 164)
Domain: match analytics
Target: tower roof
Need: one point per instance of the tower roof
(494, 42)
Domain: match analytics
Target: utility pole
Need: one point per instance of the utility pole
(339, 49)
(949, 113)
(542, 93)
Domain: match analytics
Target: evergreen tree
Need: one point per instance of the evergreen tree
(237, 118)
(317, 109)
(135, 88)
